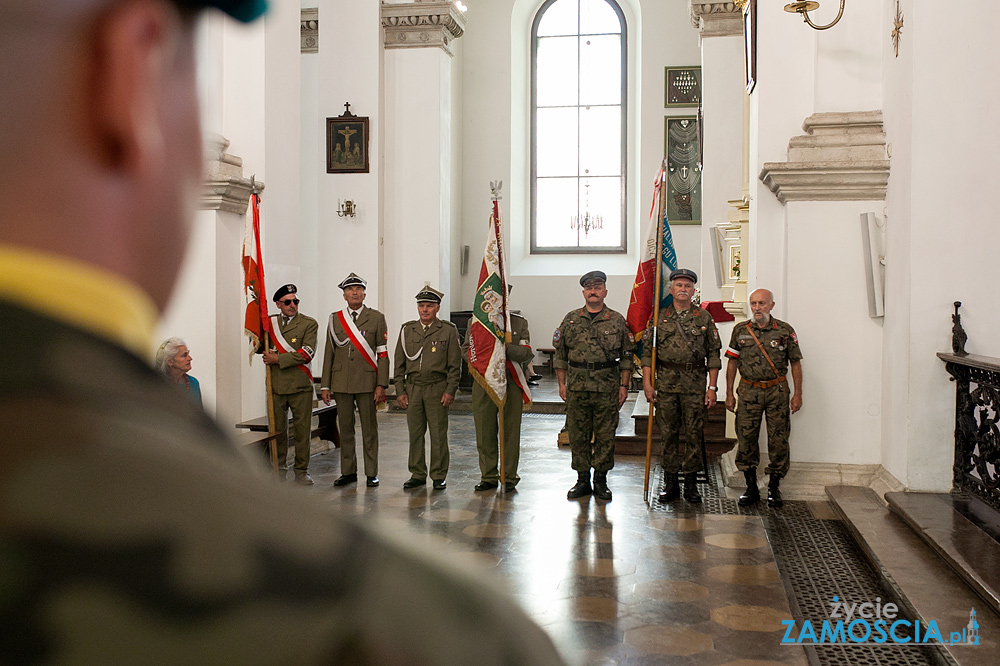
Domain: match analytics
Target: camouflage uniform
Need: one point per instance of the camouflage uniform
(782, 346)
(428, 364)
(602, 339)
(486, 413)
(680, 391)
(132, 531)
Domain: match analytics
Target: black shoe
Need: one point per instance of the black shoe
(752, 495)
(532, 382)
(414, 482)
(486, 485)
(691, 494)
(672, 490)
(774, 493)
(440, 484)
(601, 490)
(509, 487)
(534, 378)
(344, 479)
(582, 487)
(372, 482)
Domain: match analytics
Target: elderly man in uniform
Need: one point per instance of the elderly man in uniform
(136, 531)
(762, 350)
(486, 413)
(356, 372)
(428, 367)
(293, 348)
(593, 361)
(687, 345)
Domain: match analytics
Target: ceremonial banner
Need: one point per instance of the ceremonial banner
(255, 321)
(640, 307)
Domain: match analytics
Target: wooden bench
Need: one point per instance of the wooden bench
(326, 428)
(551, 353)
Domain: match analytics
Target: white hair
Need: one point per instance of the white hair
(166, 353)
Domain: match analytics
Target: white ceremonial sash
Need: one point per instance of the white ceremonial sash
(283, 347)
(357, 340)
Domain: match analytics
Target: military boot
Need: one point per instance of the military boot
(773, 492)
(691, 493)
(671, 489)
(752, 495)
(582, 487)
(601, 490)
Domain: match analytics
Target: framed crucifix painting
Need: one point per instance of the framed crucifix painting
(347, 143)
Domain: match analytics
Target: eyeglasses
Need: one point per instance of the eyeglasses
(289, 301)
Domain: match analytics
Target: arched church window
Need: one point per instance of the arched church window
(578, 132)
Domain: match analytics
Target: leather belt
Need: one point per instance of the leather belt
(594, 366)
(767, 384)
(679, 366)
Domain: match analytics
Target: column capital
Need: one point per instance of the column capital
(424, 24)
(717, 19)
(309, 30)
(224, 188)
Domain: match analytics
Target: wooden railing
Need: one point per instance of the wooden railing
(977, 426)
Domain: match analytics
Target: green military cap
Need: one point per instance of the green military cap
(241, 10)
(429, 295)
(684, 273)
(353, 280)
(593, 276)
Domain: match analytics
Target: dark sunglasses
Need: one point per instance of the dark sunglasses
(289, 301)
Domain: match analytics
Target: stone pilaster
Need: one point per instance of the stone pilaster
(225, 187)
(422, 25)
(716, 19)
(842, 157)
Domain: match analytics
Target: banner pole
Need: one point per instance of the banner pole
(661, 213)
(271, 418)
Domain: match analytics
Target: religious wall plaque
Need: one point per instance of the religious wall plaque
(683, 86)
(683, 170)
(347, 143)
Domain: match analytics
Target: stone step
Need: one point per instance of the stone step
(926, 586)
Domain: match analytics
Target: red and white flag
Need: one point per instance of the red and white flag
(640, 306)
(490, 331)
(255, 321)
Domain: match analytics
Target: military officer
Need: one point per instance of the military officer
(293, 348)
(428, 366)
(687, 346)
(486, 414)
(356, 372)
(593, 361)
(762, 350)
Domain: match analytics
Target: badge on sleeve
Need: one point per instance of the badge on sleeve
(794, 338)
(556, 335)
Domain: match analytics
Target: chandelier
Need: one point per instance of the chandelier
(588, 220)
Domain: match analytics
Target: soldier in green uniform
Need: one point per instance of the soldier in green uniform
(486, 413)
(687, 346)
(292, 352)
(356, 372)
(593, 361)
(762, 350)
(428, 367)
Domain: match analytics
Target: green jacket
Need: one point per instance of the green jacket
(778, 338)
(425, 357)
(689, 336)
(345, 370)
(603, 338)
(300, 334)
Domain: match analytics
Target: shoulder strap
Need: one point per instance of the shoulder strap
(762, 350)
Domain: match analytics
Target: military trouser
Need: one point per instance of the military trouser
(754, 403)
(676, 411)
(486, 416)
(425, 412)
(592, 414)
(369, 432)
(301, 404)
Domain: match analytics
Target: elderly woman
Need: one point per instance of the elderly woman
(173, 359)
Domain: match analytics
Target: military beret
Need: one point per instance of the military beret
(684, 273)
(429, 295)
(593, 276)
(353, 280)
(241, 10)
(284, 291)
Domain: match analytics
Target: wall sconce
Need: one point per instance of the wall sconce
(805, 7)
(346, 208)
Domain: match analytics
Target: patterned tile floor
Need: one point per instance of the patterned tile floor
(612, 583)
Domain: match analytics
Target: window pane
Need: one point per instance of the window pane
(601, 141)
(556, 142)
(601, 70)
(597, 16)
(603, 197)
(560, 18)
(555, 204)
(556, 71)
